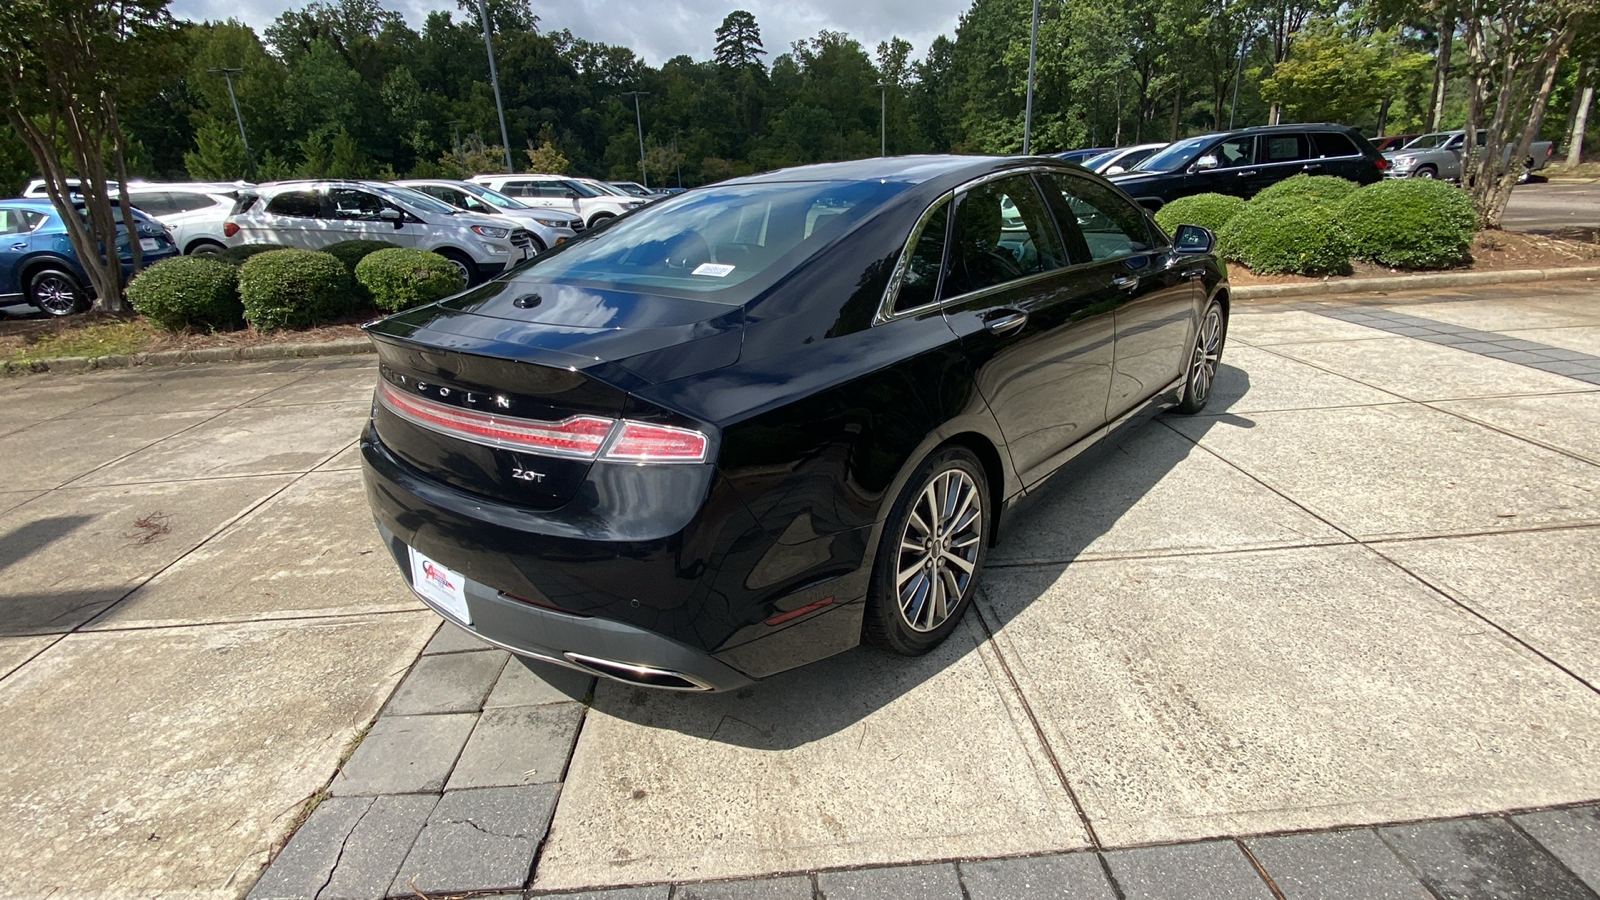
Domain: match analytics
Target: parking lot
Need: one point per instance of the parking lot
(1361, 589)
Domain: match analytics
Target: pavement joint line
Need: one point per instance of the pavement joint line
(1541, 848)
(1405, 861)
(1522, 437)
(170, 626)
(142, 447)
(1033, 719)
(1260, 869)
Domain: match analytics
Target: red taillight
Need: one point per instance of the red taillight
(639, 442)
(579, 436)
(1383, 163)
(229, 229)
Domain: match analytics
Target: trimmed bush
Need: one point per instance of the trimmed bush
(1211, 210)
(1410, 223)
(1288, 235)
(352, 253)
(293, 289)
(1324, 189)
(237, 255)
(402, 278)
(188, 292)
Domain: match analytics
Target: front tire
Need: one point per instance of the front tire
(1427, 172)
(600, 219)
(1204, 359)
(929, 557)
(463, 264)
(56, 292)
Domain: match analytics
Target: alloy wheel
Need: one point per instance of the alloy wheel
(1207, 354)
(939, 550)
(55, 294)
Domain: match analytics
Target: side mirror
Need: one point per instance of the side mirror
(570, 194)
(1206, 162)
(1115, 170)
(391, 215)
(1193, 239)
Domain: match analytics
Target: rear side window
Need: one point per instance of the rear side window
(1107, 224)
(18, 221)
(919, 285)
(299, 204)
(1276, 148)
(1332, 143)
(179, 202)
(155, 203)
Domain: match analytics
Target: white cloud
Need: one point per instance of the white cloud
(661, 29)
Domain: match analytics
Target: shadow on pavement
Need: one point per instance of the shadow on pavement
(807, 704)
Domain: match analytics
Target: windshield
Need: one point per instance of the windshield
(713, 238)
(493, 196)
(1176, 156)
(609, 189)
(1094, 163)
(1429, 141)
(416, 199)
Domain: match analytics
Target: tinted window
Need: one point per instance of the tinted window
(182, 202)
(348, 203)
(920, 284)
(300, 204)
(1235, 151)
(1001, 231)
(17, 221)
(1108, 224)
(1276, 148)
(1175, 156)
(156, 203)
(1332, 143)
(715, 237)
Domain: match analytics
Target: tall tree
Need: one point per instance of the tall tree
(739, 40)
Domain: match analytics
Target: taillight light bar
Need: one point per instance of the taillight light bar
(576, 437)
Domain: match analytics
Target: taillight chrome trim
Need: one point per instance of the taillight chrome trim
(514, 433)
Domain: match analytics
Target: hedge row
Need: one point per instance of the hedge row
(272, 287)
(1315, 224)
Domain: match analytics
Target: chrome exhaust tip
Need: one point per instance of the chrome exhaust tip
(644, 676)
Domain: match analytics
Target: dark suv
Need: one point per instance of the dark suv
(1244, 162)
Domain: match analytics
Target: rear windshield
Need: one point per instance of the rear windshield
(714, 237)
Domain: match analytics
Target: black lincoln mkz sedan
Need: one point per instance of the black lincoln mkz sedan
(738, 430)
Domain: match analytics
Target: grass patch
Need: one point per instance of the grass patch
(107, 338)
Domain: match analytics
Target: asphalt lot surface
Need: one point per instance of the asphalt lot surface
(1554, 208)
(1361, 589)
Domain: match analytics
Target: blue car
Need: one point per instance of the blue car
(38, 265)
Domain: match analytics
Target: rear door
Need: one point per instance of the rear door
(1279, 155)
(1039, 339)
(1334, 153)
(1130, 274)
(292, 218)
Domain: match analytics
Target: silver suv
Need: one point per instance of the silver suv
(549, 226)
(316, 214)
(561, 192)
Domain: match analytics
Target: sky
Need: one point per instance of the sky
(658, 30)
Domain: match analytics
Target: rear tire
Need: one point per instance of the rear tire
(56, 292)
(930, 555)
(1204, 359)
(204, 248)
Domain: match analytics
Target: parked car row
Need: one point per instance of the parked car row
(39, 267)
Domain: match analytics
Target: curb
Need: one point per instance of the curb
(1409, 282)
(179, 357)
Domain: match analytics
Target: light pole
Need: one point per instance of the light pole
(638, 120)
(1027, 110)
(248, 157)
(883, 118)
(1244, 41)
(494, 82)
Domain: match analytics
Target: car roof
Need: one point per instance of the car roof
(35, 204)
(904, 169)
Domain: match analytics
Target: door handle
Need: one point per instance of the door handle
(1247, 172)
(1194, 274)
(1005, 321)
(1311, 167)
(21, 246)
(1126, 282)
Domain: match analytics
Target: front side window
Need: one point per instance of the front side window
(1235, 151)
(296, 204)
(351, 204)
(919, 285)
(1109, 225)
(1001, 231)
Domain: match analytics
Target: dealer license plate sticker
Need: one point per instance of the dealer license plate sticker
(440, 586)
(149, 244)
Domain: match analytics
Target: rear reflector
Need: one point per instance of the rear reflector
(639, 442)
(578, 437)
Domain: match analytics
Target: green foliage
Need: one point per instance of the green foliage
(218, 153)
(351, 253)
(1410, 223)
(1286, 234)
(188, 292)
(293, 289)
(1211, 210)
(400, 278)
(237, 255)
(547, 160)
(1337, 71)
(1324, 189)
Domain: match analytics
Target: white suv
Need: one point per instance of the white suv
(316, 214)
(195, 212)
(563, 193)
(549, 226)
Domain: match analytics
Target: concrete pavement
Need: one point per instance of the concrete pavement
(1563, 209)
(1238, 658)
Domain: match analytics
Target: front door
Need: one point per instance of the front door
(357, 215)
(1132, 273)
(1236, 172)
(1039, 340)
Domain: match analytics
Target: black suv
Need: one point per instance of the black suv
(1244, 162)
